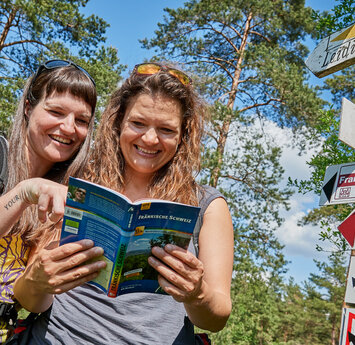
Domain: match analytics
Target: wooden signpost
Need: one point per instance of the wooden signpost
(347, 121)
(333, 53)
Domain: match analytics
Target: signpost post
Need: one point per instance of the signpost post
(347, 121)
(333, 54)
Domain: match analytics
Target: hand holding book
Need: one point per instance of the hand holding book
(180, 272)
(127, 232)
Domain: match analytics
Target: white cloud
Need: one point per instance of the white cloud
(299, 241)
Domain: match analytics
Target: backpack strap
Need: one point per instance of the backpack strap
(8, 313)
(4, 148)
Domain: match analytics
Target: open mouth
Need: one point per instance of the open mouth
(60, 139)
(148, 152)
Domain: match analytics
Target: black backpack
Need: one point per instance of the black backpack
(4, 148)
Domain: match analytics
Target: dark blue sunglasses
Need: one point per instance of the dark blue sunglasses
(57, 63)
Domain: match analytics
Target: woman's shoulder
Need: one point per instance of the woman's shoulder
(207, 194)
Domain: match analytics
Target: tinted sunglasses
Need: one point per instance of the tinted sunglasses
(150, 68)
(52, 64)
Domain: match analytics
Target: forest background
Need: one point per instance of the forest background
(247, 59)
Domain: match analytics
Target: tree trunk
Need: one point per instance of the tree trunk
(223, 135)
(7, 27)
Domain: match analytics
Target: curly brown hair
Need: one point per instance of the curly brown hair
(176, 180)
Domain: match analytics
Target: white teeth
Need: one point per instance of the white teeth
(146, 151)
(60, 139)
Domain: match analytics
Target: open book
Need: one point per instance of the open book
(126, 231)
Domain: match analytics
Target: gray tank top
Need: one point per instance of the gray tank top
(85, 315)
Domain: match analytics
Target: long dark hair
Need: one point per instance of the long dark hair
(58, 80)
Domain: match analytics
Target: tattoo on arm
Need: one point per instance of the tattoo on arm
(12, 201)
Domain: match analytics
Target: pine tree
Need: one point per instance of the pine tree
(252, 62)
(36, 30)
(325, 295)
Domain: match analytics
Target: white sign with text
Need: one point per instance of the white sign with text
(333, 53)
(338, 185)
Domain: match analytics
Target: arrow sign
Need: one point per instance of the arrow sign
(347, 228)
(338, 185)
(351, 338)
(347, 328)
(347, 123)
(350, 285)
(333, 53)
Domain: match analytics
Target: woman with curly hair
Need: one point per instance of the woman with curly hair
(147, 146)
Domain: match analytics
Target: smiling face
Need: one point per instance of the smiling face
(57, 126)
(150, 134)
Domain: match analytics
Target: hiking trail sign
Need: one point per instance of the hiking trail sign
(347, 123)
(333, 53)
(338, 185)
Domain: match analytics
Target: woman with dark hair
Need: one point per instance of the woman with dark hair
(49, 141)
(147, 146)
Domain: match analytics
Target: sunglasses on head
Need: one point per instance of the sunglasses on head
(151, 68)
(57, 63)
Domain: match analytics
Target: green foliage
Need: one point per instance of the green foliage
(134, 261)
(331, 151)
(341, 16)
(34, 31)
(253, 48)
(306, 314)
(255, 316)
(325, 293)
(341, 85)
(247, 59)
(249, 62)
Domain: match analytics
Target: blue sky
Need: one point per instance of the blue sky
(137, 19)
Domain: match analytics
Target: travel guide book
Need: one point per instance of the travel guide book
(126, 231)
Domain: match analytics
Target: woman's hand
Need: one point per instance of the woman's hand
(203, 283)
(54, 270)
(58, 269)
(48, 195)
(180, 272)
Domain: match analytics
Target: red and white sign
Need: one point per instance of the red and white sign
(347, 329)
(333, 53)
(338, 185)
(347, 229)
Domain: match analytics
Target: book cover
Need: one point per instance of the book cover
(126, 231)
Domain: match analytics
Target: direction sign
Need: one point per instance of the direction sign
(347, 329)
(333, 53)
(338, 185)
(347, 123)
(350, 286)
(347, 229)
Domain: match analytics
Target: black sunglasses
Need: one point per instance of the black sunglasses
(51, 64)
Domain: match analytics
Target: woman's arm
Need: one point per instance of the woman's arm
(50, 197)
(53, 270)
(203, 283)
